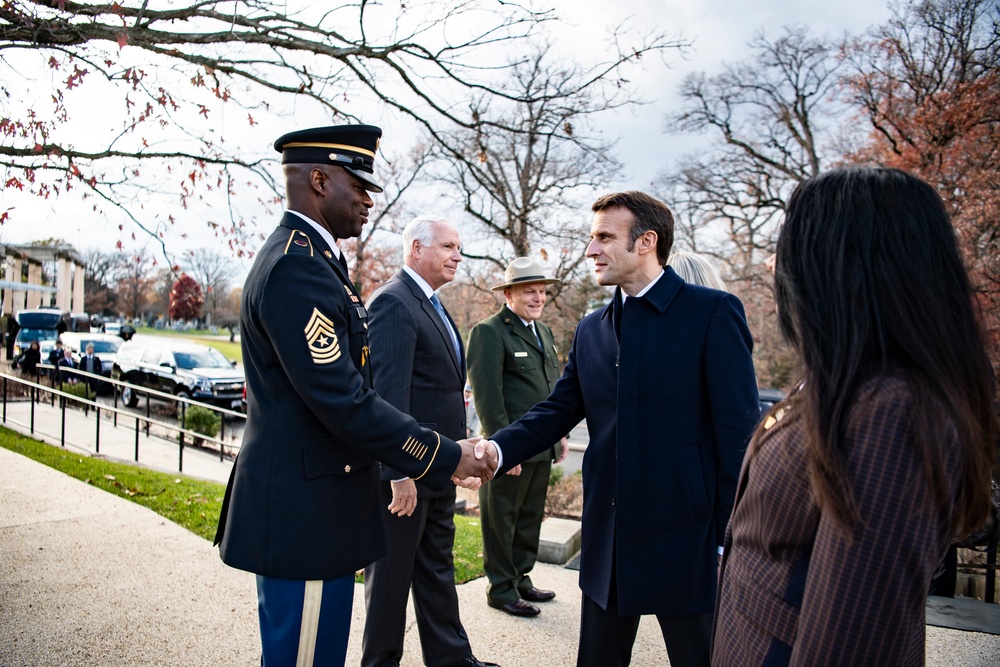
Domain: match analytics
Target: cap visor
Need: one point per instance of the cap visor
(370, 183)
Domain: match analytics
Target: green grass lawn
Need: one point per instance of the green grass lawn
(191, 503)
(229, 350)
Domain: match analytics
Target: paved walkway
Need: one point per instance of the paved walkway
(87, 578)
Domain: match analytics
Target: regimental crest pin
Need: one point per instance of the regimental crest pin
(321, 337)
(350, 295)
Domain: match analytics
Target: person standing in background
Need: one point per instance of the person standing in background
(419, 367)
(695, 269)
(513, 364)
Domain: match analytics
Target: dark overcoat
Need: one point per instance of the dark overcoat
(303, 501)
(669, 411)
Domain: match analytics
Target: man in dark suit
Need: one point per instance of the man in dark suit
(91, 363)
(418, 367)
(55, 359)
(302, 506)
(513, 364)
(664, 377)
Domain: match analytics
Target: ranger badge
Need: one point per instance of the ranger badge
(321, 338)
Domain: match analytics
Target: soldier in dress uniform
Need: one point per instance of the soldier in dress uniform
(302, 508)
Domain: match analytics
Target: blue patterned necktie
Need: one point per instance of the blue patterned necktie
(447, 325)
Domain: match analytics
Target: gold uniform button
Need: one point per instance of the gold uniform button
(347, 469)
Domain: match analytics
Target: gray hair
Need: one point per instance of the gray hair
(695, 269)
(421, 228)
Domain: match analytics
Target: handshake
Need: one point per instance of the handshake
(478, 464)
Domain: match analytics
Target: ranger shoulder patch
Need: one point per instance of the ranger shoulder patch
(321, 337)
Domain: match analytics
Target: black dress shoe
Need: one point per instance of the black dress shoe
(472, 661)
(535, 595)
(517, 608)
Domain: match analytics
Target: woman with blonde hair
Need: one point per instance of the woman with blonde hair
(695, 269)
(854, 487)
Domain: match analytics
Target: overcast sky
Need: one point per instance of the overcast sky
(720, 30)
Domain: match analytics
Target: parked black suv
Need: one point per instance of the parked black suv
(184, 369)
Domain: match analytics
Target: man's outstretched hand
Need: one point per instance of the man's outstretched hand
(477, 465)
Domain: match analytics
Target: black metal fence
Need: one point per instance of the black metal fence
(47, 387)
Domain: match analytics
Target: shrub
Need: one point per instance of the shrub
(202, 420)
(78, 389)
(565, 497)
(555, 475)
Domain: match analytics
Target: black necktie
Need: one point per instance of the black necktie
(538, 336)
(343, 263)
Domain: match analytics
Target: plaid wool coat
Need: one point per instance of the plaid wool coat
(793, 590)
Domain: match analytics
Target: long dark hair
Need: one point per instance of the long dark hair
(869, 283)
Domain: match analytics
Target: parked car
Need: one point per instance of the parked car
(180, 368)
(768, 397)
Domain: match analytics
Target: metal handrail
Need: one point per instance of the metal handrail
(36, 387)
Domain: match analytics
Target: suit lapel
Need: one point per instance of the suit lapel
(428, 308)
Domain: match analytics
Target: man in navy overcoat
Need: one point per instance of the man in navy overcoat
(664, 377)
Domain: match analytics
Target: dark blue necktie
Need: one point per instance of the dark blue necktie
(447, 325)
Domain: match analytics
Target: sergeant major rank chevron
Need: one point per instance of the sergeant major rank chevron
(322, 339)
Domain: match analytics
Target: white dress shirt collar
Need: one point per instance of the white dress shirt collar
(420, 281)
(645, 289)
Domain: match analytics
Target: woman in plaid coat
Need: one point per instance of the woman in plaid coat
(854, 487)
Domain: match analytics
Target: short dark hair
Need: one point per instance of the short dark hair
(649, 215)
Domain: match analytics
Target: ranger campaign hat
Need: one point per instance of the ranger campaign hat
(349, 146)
(522, 271)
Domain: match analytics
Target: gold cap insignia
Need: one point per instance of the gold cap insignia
(321, 337)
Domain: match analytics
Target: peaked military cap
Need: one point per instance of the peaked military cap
(349, 146)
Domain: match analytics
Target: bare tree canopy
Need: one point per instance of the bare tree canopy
(523, 172)
(920, 93)
(173, 80)
(770, 117)
(929, 84)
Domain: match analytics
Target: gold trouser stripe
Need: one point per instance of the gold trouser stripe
(431, 462)
(312, 600)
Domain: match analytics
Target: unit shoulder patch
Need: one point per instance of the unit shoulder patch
(321, 338)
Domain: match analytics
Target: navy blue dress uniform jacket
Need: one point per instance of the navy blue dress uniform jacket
(666, 442)
(303, 501)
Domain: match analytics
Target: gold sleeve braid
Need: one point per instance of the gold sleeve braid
(433, 456)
